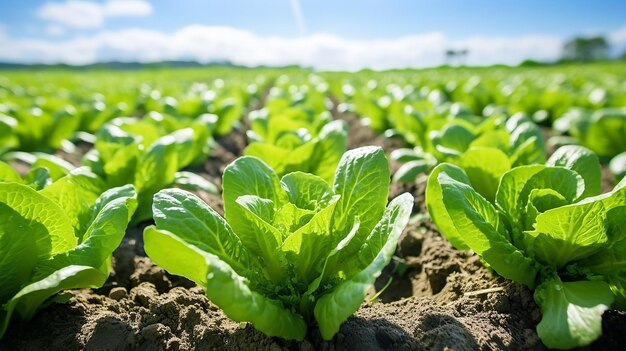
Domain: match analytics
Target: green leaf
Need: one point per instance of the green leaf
(472, 215)
(539, 201)
(394, 220)
(404, 155)
(156, 169)
(38, 178)
(259, 214)
(8, 174)
(333, 142)
(484, 167)
(307, 191)
(261, 208)
(606, 132)
(53, 230)
(185, 144)
(306, 247)
(409, 171)
(456, 137)
(527, 144)
(567, 233)
(104, 232)
(196, 223)
(28, 300)
(516, 185)
(290, 217)
(530, 152)
(436, 207)
(76, 194)
(57, 167)
(192, 181)
(118, 153)
(248, 176)
(275, 157)
(223, 285)
(19, 252)
(572, 312)
(362, 182)
(575, 231)
(584, 162)
(315, 284)
(611, 260)
(495, 139)
(333, 308)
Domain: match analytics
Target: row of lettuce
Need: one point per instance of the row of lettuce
(542, 223)
(306, 227)
(61, 222)
(300, 242)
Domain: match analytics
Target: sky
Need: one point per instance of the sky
(326, 34)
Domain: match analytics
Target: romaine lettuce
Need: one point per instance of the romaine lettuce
(61, 237)
(290, 252)
(547, 228)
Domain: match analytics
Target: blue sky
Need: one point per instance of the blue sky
(38, 30)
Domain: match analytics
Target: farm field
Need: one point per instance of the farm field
(291, 209)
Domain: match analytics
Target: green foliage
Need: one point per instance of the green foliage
(290, 252)
(297, 150)
(547, 228)
(485, 148)
(294, 132)
(602, 130)
(58, 238)
(148, 153)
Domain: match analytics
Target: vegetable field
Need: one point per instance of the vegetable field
(289, 209)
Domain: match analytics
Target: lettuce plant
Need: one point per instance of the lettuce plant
(602, 131)
(43, 169)
(129, 151)
(468, 143)
(58, 238)
(44, 129)
(548, 228)
(8, 140)
(36, 177)
(297, 150)
(290, 252)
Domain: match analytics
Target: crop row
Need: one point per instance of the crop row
(307, 227)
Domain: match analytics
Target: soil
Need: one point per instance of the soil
(431, 297)
(143, 308)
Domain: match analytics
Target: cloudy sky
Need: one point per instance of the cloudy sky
(327, 34)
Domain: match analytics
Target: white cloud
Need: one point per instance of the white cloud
(127, 8)
(55, 30)
(323, 51)
(89, 14)
(618, 37)
(73, 13)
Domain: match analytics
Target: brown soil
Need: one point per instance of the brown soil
(608, 180)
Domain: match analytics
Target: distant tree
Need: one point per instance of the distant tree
(586, 49)
(457, 56)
